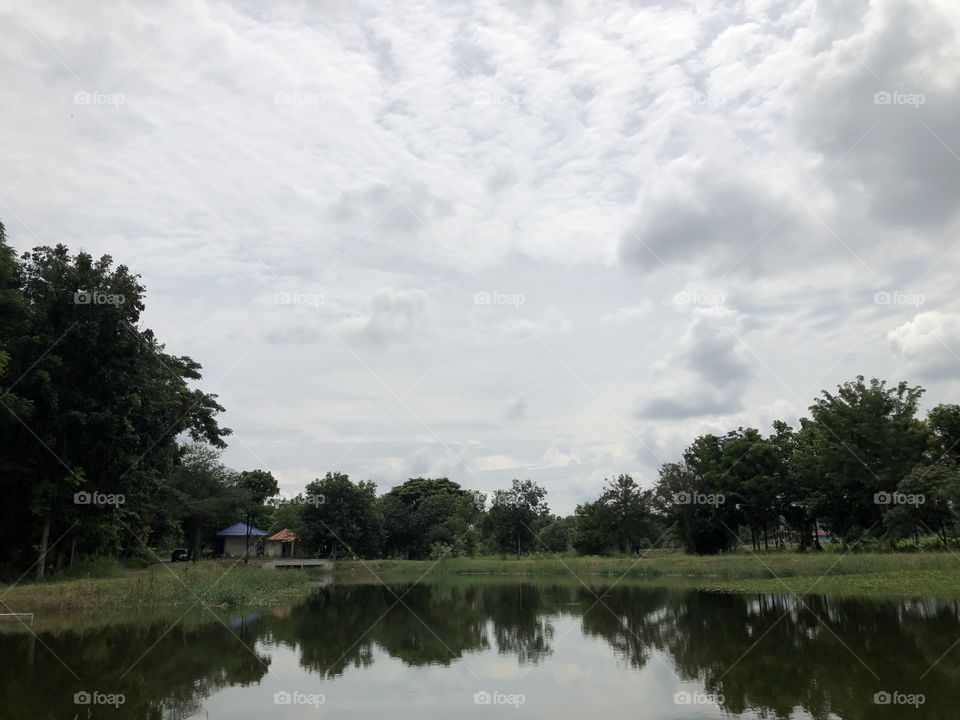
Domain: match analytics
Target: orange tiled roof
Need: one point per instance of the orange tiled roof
(284, 535)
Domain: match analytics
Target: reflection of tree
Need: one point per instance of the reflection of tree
(520, 623)
(769, 654)
(430, 625)
(162, 672)
(629, 618)
(775, 653)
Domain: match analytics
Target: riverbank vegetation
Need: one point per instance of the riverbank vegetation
(832, 572)
(189, 585)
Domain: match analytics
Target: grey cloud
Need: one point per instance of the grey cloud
(517, 408)
(854, 108)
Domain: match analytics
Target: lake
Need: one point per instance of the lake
(497, 647)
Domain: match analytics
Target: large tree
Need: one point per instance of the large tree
(859, 443)
(513, 515)
(425, 511)
(92, 404)
(345, 519)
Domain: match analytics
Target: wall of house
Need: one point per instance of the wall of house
(273, 549)
(237, 546)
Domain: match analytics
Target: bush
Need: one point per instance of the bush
(91, 567)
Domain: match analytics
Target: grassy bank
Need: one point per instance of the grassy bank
(876, 574)
(225, 585)
(183, 585)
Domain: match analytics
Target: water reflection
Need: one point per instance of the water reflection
(766, 655)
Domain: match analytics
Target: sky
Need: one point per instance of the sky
(488, 241)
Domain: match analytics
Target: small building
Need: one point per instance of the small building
(824, 536)
(232, 541)
(279, 544)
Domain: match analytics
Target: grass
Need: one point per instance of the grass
(218, 584)
(866, 574)
(228, 585)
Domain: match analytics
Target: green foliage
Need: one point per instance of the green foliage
(513, 516)
(347, 523)
(96, 404)
(423, 512)
(621, 520)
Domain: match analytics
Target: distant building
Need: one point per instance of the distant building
(232, 541)
(826, 536)
(279, 544)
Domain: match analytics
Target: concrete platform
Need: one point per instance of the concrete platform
(297, 564)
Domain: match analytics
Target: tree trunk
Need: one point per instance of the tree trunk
(246, 552)
(44, 539)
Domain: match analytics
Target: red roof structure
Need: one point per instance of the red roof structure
(284, 535)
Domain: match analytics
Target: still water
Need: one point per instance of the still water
(489, 648)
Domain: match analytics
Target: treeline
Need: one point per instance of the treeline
(863, 469)
(107, 447)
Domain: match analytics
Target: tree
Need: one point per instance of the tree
(686, 499)
(621, 519)
(512, 516)
(858, 445)
(425, 511)
(202, 495)
(258, 486)
(99, 404)
(347, 522)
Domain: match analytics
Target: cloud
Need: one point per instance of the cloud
(715, 369)
(393, 316)
(517, 408)
(929, 343)
(697, 203)
(627, 315)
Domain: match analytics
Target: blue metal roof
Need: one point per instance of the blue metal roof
(240, 530)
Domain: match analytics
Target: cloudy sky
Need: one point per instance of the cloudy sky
(528, 239)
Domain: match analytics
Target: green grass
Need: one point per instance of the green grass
(217, 584)
(876, 574)
(226, 585)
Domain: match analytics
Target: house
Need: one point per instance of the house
(279, 544)
(232, 541)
